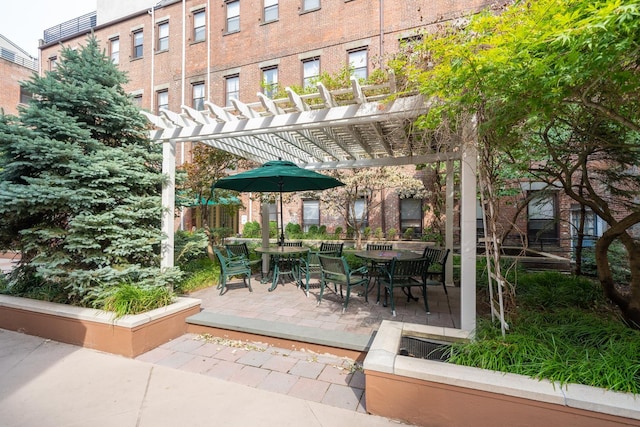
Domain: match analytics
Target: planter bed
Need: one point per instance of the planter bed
(129, 336)
(434, 393)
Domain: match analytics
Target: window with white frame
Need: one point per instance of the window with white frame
(310, 5)
(163, 36)
(358, 63)
(114, 50)
(360, 210)
(270, 81)
(53, 62)
(270, 10)
(138, 44)
(162, 100)
(198, 96)
(233, 16)
(199, 25)
(310, 214)
(232, 88)
(310, 71)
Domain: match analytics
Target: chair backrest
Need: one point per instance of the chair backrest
(334, 248)
(403, 269)
(237, 249)
(436, 255)
(379, 246)
(297, 244)
(221, 258)
(334, 268)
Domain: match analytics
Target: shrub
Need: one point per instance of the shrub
(392, 233)
(199, 274)
(551, 289)
(408, 234)
(251, 230)
(128, 298)
(618, 262)
(366, 232)
(293, 231)
(338, 232)
(189, 245)
(378, 233)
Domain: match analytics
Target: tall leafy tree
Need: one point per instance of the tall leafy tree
(80, 181)
(555, 87)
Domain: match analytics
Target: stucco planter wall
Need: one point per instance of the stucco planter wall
(128, 336)
(433, 393)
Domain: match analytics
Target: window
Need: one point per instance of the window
(270, 10)
(593, 226)
(53, 62)
(542, 218)
(163, 36)
(162, 100)
(138, 39)
(233, 16)
(310, 5)
(270, 81)
(310, 71)
(199, 26)
(137, 100)
(25, 96)
(114, 50)
(232, 88)
(361, 213)
(411, 215)
(273, 213)
(198, 96)
(358, 63)
(310, 214)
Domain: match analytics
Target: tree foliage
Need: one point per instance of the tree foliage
(554, 87)
(80, 181)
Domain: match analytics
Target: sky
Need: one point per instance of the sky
(23, 22)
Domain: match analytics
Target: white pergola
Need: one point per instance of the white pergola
(364, 126)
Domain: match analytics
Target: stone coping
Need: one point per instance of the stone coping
(289, 331)
(383, 357)
(94, 315)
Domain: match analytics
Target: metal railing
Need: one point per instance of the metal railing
(14, 57)
(70, 28)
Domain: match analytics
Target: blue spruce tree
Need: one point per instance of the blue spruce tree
(80, 183)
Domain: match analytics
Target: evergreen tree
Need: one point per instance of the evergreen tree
(80, 181)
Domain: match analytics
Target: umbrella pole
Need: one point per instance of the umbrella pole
(281, 221)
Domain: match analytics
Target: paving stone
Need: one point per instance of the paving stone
(278, 382)
(357, 380)
(332, 374)
(280, 363)
(153, 356)
(342, 397)
(223, 369)
(307, 369)
(308, 389)
(199, 364)
(230, 354)
(249, 375)
(207, 350)
(175, 359)
(254, 358)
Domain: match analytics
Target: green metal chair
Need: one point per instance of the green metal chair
(311, 264)
(405, 274)
(437, 268)
(232, 267)
(235, 250)
(336, 270)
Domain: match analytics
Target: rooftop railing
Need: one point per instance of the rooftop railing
(70, 28)
(16, 58)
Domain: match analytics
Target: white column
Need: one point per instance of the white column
(448, 227)
(468, 229)
(168, 203)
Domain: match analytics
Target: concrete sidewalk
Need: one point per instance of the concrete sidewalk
(46, 383)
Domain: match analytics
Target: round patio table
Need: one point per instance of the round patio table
(279, 252)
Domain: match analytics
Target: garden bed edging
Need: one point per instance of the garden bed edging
(128, 336)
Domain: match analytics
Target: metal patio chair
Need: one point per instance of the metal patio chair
(336, 270)
(232, 267)
(437, 268)
(311, 264)
(405, 274)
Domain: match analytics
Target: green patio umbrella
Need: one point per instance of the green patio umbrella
(277, 176)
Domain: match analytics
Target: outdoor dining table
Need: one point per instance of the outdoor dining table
(385, 257)
(278, 252)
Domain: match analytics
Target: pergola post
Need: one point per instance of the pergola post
(468, 166)
(168, 203)
(448, 227)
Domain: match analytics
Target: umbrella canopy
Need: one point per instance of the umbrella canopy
(277, 176)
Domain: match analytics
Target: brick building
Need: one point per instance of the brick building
(187, 52)
(16, 65)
